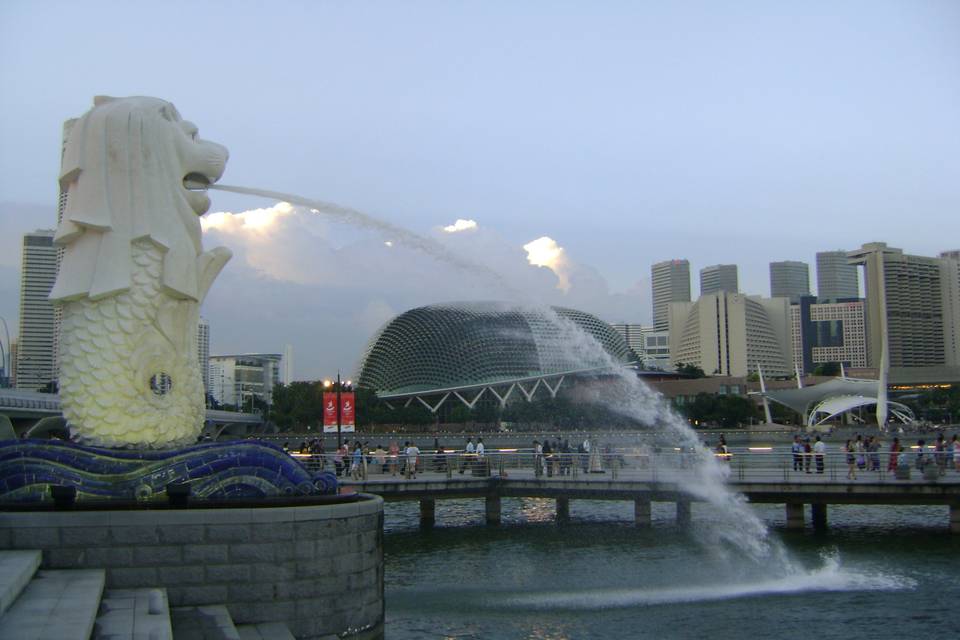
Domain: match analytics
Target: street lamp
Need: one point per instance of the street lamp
(339, 386)
(4, 355)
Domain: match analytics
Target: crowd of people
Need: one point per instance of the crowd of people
(557, 457)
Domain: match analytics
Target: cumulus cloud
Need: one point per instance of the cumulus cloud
(325, 287)
(252, 221)
(461, 225)
(545, 252)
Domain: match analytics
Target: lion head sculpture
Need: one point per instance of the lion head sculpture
(123, 170)
(133, 273)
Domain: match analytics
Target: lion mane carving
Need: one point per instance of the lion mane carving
(133, 273)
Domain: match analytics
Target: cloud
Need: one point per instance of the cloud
(461, 225)
(326, 287)
(252, 221)
(545, 252)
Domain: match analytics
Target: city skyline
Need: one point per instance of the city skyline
(598, 142)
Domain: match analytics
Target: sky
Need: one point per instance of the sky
(577, 143)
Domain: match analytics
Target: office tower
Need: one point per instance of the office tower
(203, 352)
(905, 305)
(836, 278)
(671, 283)
(731, 334)
(633, 335)
(717, 278)
(789, 279)
(823, 332)
(286, 365)
(35, 347)
(236, 379)
(950, 261)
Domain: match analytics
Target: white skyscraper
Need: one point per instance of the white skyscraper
(35, 347)
(717, 278)
(203, 352)
(836, 278)
(789, 279)
(731, 334)
(671, 283)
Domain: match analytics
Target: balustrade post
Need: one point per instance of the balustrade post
(427, 512)
(493, 510)
(795, 516)
(641, 512)
(684, 512)
(563, 509)
(818, 511)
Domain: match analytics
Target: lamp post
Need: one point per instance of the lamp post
(339, 385)
(338, 409)
(4, 354)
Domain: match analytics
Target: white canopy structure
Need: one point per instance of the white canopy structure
(822, 402)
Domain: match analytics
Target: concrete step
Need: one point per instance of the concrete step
(55, 605)
(16, 570)
(265, 631)
(208, 622)
(134, 614)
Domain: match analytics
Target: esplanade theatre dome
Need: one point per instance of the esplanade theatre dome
(460, 344)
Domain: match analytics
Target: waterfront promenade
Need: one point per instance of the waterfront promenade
(762, 477)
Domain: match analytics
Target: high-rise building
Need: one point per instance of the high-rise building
(651, 347)
(286, 368)
(632, 335)
(671, 283)
(35, 347)
(203, 352)
(717, 278)
(731, 334)
(950, 261)
(837, 279)
(236, 379)
(905, 305)
(789, 279)
(823, 332)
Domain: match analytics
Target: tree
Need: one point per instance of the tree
(690, 370)
(827, 369)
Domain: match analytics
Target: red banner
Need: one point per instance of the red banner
(347, 411)
(329, 412)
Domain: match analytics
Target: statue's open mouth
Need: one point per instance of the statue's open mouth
(196, 182)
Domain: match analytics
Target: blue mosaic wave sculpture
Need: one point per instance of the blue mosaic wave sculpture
(214, 471)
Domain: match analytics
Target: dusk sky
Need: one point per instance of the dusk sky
(623, 133)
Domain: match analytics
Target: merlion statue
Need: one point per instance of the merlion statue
(133, 273)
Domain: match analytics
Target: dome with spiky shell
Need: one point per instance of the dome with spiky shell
(461, 344)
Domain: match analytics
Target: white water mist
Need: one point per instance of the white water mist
(737, 526)
(394, 233)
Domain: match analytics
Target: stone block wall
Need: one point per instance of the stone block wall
(317, 568)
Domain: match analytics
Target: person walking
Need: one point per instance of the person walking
(537, 459)
(861, 451)
(356, 461)
(394, 457)
(850, 450)
(956, 453)
(819, 450)
(468, 454)
(895, 449)
(940, 454)
(548, 457)
(797, 449)
(412, 453)
(338, 461)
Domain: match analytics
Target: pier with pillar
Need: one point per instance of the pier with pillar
(798, 497)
